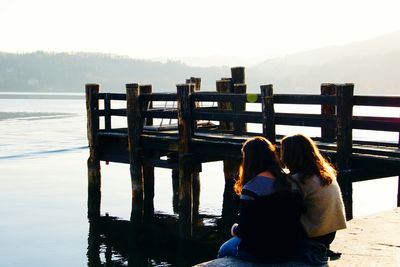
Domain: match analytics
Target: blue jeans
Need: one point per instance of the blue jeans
(231, 248)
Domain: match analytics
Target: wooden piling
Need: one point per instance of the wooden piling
(93, 162)
(268, 112)
(328, 133)
(135, 127)
(184, 163)
(344, 143)
(148, 171)
(238, 75)
(196, 84)
(230, 200)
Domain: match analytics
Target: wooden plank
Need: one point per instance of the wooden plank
(220, 96)
(376, 123)
(381, 101)
(158, 97)
(304, 99)
(169, 114)
(113, 96)
(118, 112)
(228, 116)
(312, 120)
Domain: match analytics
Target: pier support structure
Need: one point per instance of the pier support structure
(93, 162)
(135, 127)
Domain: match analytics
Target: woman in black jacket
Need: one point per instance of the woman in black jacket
(269, 227)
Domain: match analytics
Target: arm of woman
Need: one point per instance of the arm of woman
(246, 218)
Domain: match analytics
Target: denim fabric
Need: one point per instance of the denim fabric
(231, 248)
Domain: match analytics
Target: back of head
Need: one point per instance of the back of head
(300, 154)
(258, 155)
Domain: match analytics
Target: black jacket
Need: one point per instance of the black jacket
(269, 226)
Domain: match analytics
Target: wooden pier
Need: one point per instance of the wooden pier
(212, 125)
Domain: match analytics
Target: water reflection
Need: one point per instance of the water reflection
(112, 242)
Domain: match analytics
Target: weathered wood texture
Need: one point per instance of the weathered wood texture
(185, 170)
(93, 162)
(135, 127)
(268, 112)
(329, 89)
(192, 145)
(344, 143)
(239, 127)
(148, 171)
(196, 186)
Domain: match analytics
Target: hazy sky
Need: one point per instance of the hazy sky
(180, 28)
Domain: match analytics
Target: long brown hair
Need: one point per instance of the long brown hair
(300, 154)
(258, 155)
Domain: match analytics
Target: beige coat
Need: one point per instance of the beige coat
(325, 210)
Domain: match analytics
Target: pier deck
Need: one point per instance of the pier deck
(211, 126)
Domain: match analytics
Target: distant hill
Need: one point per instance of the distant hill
(373, 65)
(66, 72)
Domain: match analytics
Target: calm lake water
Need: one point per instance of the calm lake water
(43, 188)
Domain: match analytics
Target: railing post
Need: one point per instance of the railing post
(239, 127)
(93, 162)
(326, 110)
(268, 112)
(195, 87)
(107, 110)
(345, 143)
(230, 201)
(223, 86)
(148, 171)
(135, 127)
(238, 75)
(185, 166)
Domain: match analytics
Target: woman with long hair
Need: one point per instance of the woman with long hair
(324, 213)
(269, 226)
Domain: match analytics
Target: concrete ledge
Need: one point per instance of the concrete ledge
(368, 241)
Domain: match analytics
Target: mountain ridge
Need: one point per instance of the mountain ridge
(372, 65)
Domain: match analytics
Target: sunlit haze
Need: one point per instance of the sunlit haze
(186, 28)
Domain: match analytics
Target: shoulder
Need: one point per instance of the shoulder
(259, 185)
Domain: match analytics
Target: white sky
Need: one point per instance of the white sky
(182, 28)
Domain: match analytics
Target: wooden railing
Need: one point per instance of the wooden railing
(355, 160)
